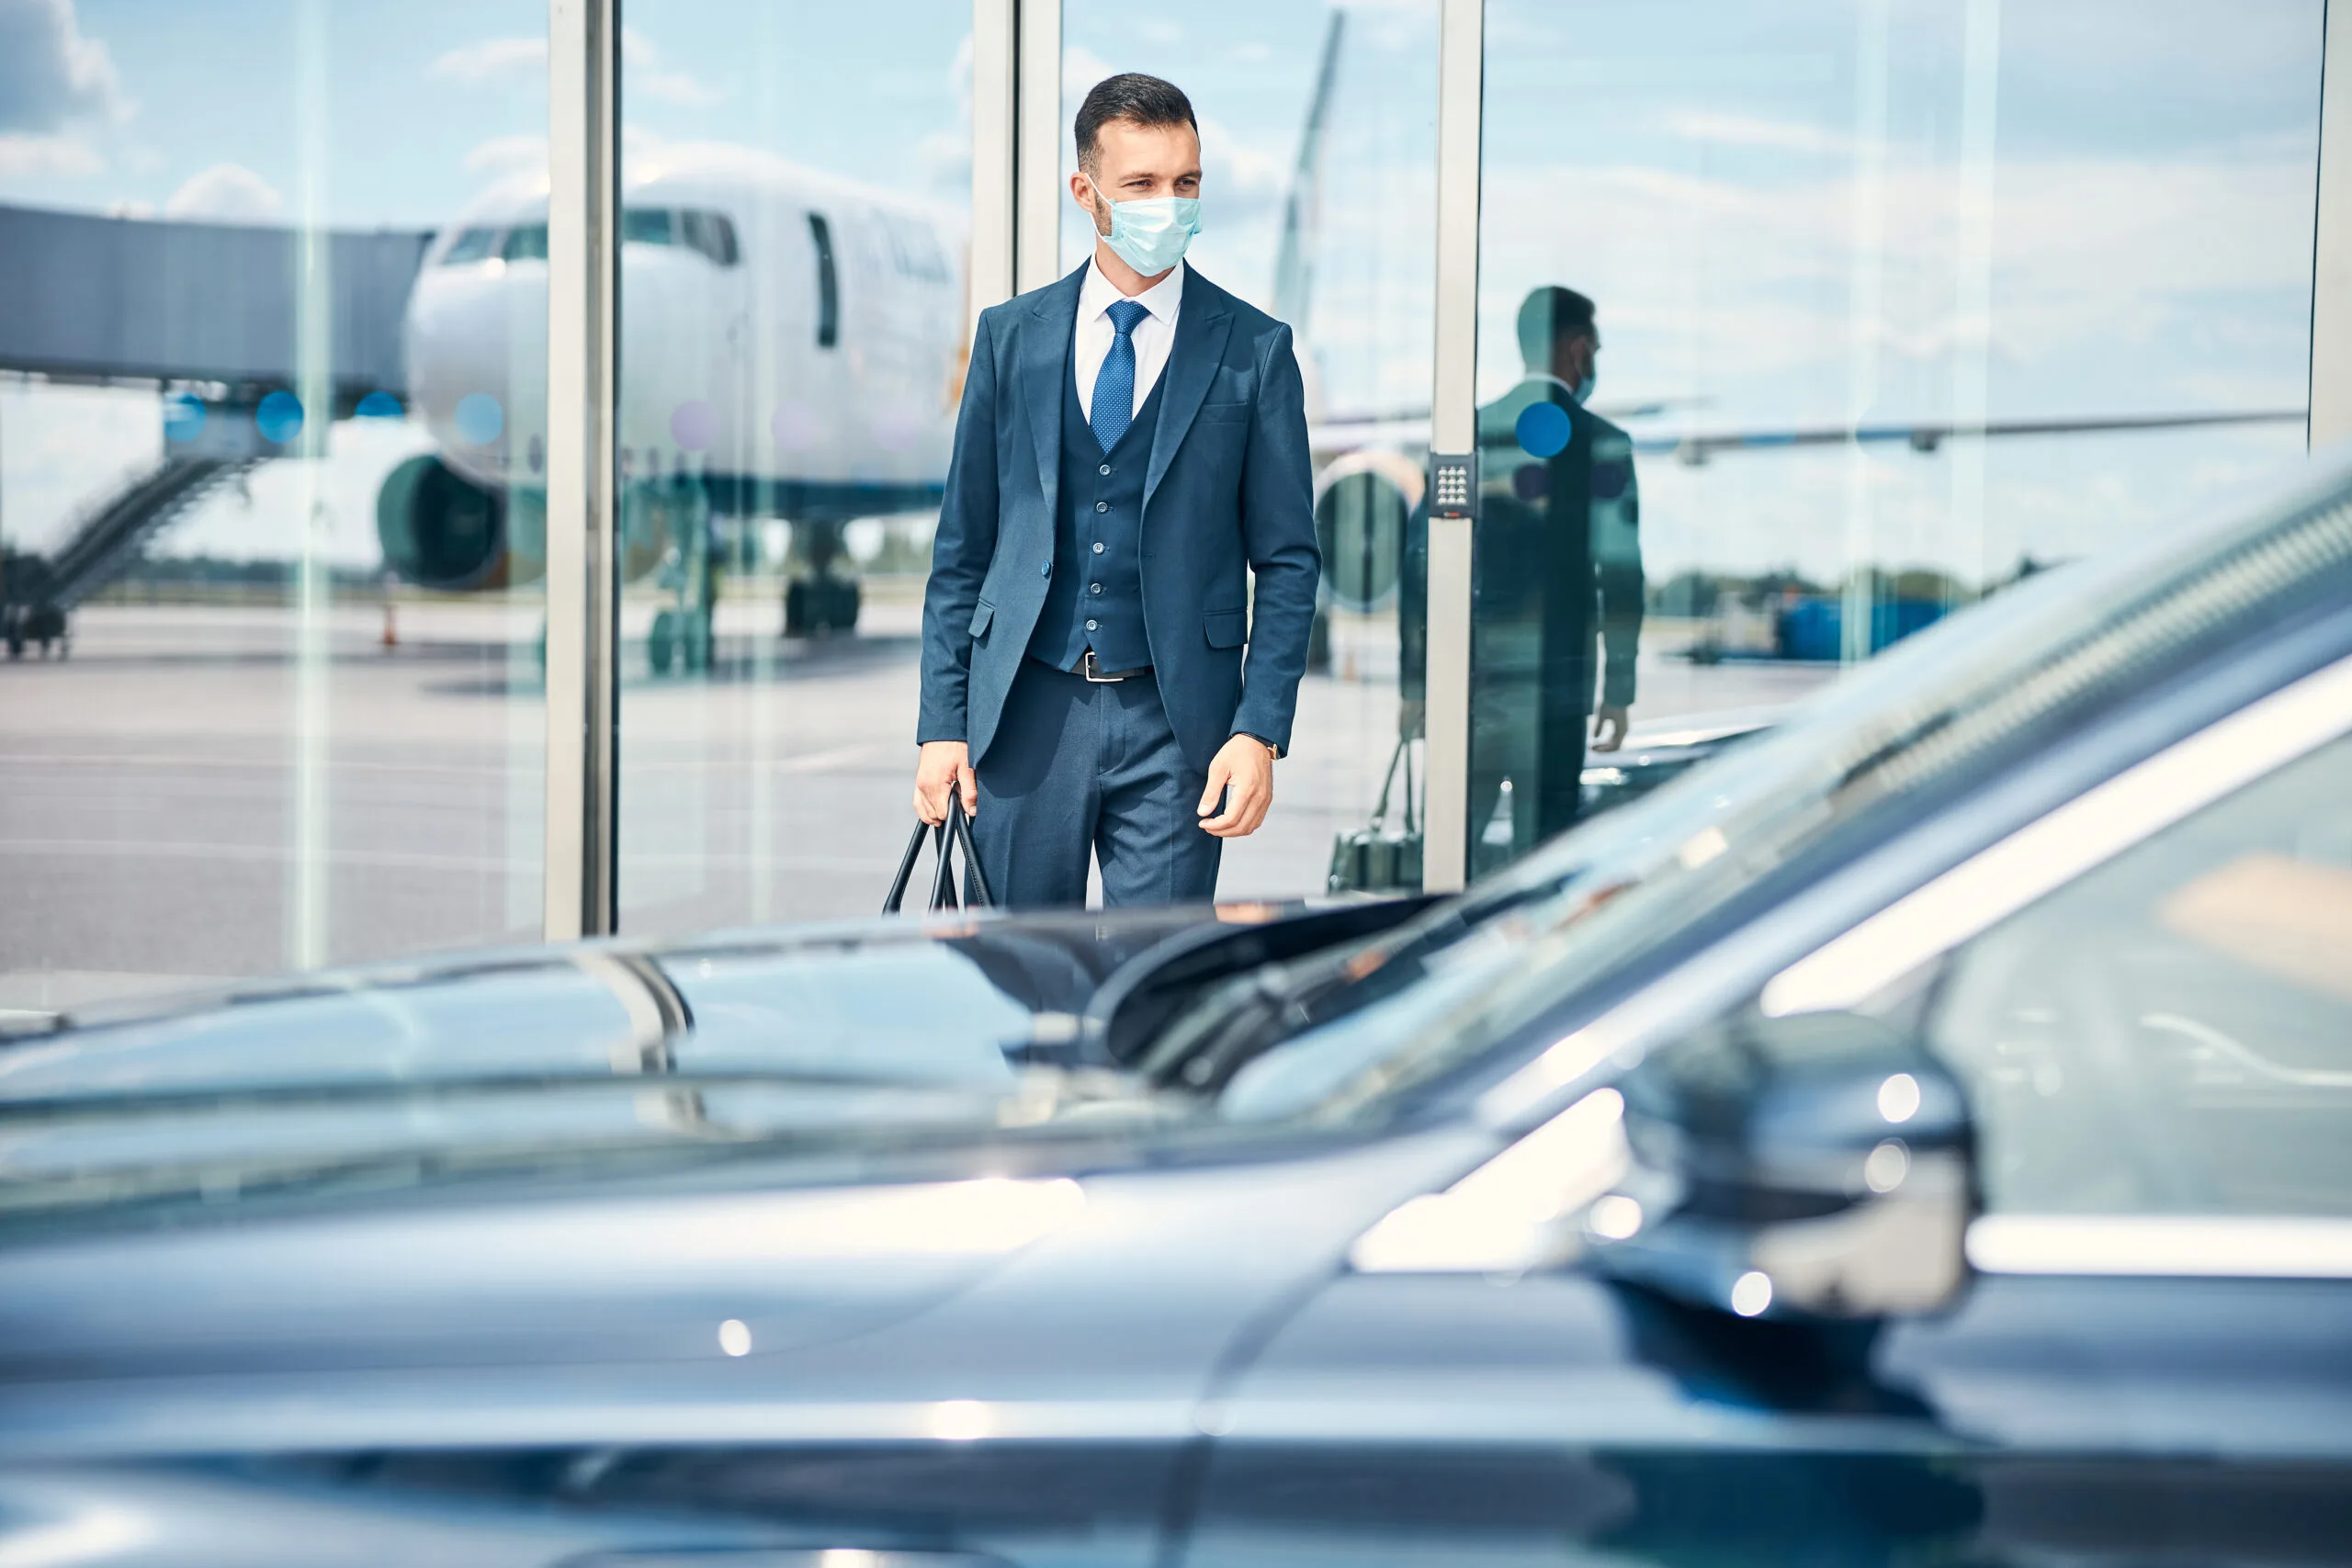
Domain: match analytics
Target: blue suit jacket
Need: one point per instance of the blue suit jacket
(1229, 487)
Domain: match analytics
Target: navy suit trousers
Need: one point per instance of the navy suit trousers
(1082, 767)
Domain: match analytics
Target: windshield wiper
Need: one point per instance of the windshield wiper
(1249, 1016)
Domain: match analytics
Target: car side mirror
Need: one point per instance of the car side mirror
(1818, 1165)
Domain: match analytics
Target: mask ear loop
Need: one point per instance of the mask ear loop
(1105, 216)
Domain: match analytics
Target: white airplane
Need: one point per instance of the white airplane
(792, 346)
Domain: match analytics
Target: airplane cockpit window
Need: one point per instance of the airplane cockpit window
(527, 241)
(712, 233)
(648, 226)
(915, 249)
(473, 246)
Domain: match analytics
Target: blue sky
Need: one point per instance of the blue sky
(425, 97)
(1771, 201)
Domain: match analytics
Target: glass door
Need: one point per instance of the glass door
(1319, 145)
(1801, 324)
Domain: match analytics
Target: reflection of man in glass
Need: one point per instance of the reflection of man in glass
(1558, 566)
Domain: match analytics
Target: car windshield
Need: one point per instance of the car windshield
(1951, 703)
(862, 1047)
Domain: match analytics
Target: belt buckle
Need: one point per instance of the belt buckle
(1091, 668)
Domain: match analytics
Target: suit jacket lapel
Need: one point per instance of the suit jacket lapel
(1202, 327)
(1045, 364)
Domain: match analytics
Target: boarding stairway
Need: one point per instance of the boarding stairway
(37, 593)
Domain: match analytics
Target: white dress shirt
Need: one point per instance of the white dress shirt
(1154, 335)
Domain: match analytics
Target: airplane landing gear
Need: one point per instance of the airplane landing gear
(814, 604)
(684, 634)
(820, 601)
(42, 626)
(681, 637)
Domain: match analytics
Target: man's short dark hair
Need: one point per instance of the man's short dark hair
(1134, 97)
(1549, 314)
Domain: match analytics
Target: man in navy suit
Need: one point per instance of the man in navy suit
(1131, 450)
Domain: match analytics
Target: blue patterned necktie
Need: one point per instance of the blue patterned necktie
(1114, 384)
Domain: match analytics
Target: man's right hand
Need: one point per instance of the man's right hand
(944, 771)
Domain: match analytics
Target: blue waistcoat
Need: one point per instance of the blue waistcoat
(1096, 597)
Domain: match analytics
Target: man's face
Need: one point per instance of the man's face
(1135, 163)
(1574, 355)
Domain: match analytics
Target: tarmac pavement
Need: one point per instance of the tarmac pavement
(205, 791)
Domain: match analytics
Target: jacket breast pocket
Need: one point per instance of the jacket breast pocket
(1225, 628)
(1222, 413)
(983, 613)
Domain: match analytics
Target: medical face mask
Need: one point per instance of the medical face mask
(1583, 394)
(1150, 235)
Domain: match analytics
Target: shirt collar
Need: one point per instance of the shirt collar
(1098, 294)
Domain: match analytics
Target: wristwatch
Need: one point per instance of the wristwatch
(1273, 752)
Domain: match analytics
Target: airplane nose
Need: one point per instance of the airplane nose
(462, 348)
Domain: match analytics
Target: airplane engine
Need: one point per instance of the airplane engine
(441, 530)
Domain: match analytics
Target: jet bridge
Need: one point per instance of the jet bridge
(211, 310)
(109, 299)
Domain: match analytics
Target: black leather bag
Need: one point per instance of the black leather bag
(955, 834)
(1382, 857)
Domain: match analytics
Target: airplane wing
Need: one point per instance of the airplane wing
(1927, 436)
(1410, 429)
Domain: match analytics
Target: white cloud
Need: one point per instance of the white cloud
(505, 155)
(1249, 169)
(226, 193)
(1742, 130)
(682, 88)
(499, 59)
(1082, 68)
(51, 74)
(68, 154)
(2091, 256)
(945, 159)
(492, 57)
(55, 86)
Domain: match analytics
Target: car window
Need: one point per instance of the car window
(2172, 1031)
(1971, 700)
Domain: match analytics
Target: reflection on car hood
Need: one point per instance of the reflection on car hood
(524, 1061)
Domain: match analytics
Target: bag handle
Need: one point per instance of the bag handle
(1387, 782)
(961, 827)
(955, 834)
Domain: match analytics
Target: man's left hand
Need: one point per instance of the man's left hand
(1609, 727)
(1243, 765)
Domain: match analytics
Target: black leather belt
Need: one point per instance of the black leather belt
(1091, 668)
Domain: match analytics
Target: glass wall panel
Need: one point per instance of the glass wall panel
(1318, 146)
(1897, 302)
(272, 377)
(793, 327)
